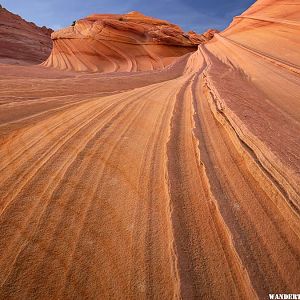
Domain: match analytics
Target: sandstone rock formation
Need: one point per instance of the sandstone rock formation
(261, 49)
(22, 42)
(180, 183)
(252, 87)
(268, 28)
(130, 42)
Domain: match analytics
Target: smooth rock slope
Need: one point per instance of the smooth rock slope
(22, 42)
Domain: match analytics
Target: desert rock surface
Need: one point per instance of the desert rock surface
(181, 182)
(22, 42)
(129, 42)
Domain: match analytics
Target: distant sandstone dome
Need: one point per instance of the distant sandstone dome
(129, 42)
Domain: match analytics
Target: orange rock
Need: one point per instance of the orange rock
(258, 57)
(129, 42)
(181, 183)
(269, 27)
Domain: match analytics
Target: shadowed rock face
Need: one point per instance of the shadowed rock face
(130, 42)
(22, 42)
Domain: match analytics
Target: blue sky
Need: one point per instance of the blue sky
(194, 15)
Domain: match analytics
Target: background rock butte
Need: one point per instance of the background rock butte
(177, 183)
(130, 42)
(22, 42)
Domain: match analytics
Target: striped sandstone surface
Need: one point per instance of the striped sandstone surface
(179, 183)
(129, 42)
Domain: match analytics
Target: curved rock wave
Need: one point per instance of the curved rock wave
(130, 42)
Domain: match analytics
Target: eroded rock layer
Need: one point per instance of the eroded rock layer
(261, 49)
(22, 42)
(130, 42)
(252, 88)
(181, 183)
